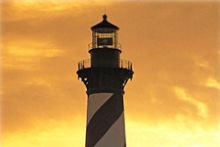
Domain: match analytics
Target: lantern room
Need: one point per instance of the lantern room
(104, 35)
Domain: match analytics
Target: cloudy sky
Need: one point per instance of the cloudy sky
(173, 99)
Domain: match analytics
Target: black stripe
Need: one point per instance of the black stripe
(103, 119)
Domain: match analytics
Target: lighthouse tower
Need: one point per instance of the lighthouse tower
(105, 76)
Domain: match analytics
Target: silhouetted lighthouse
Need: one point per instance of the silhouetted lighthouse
(105, 76)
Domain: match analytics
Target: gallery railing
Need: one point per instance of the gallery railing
(124, 64)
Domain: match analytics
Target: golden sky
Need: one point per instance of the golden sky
(172, 101)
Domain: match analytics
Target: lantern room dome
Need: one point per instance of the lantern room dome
(104, 24)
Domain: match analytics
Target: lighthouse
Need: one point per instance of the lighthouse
(105, 75)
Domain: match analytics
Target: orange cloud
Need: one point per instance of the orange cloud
(174, 50)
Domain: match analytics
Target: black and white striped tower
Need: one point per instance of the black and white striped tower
(105, 76)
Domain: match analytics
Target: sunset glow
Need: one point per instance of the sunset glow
(172, 101)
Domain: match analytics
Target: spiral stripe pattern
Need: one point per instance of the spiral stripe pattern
(105, 120)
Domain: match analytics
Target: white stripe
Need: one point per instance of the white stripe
(95, 102)
(115, 136)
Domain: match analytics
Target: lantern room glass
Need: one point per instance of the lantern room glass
(104, 38)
